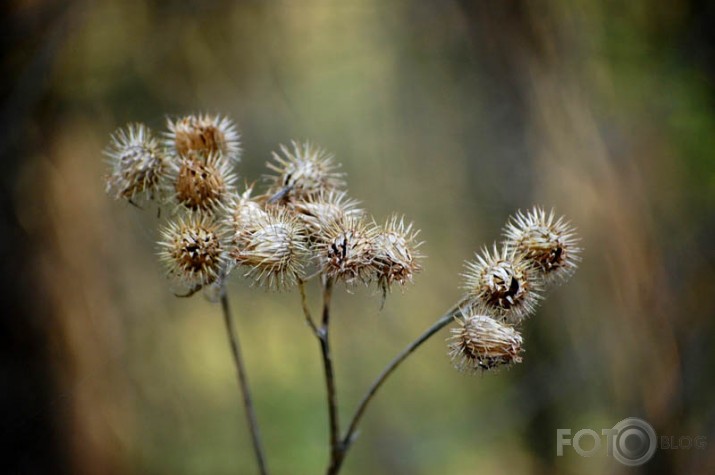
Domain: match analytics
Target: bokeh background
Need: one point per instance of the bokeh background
(456, 113)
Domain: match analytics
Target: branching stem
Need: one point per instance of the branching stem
(351, 433)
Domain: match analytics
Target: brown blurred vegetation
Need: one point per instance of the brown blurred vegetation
(455, 113)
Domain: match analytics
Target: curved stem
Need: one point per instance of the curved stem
(306, 309)
(346, 442)
(243, 382)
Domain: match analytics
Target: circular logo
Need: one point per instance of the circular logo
(635, 441)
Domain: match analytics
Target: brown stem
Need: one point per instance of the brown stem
(324, 338)
(243, 382)
(350, 435)
(306, 310)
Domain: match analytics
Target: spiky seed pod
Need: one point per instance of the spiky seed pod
(319, 211)
(346, 250)
(137, 163)
(274, 248)
(396, 253)
(304, 171)
(548, 242)
(241, 212)
(480, 343)
(204, 135)
(194, 251)
(200, 185)
(502, 284)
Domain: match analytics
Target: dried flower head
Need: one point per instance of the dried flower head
(241, 212)
(396, 253)
(304, 171)
(200, 185)
(481, 343)
(137, 162)
(501, 284)
(203, 135)
(319, 211)
(273, 245)
(193, 250)
(549, 243)
(346, 250)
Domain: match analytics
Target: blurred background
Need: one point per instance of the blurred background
(456, 113)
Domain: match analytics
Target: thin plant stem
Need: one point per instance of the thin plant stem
(306, 309)
(350, 435)
(243, 382)
(332, 394)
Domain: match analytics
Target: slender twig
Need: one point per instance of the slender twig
(322, 333)
(350, 435)
(243, 382)
(324, 337)
(306, 309)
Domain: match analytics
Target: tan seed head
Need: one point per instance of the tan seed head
(137, 163)
(501, 284)
(301, 172)
(549, 243)
(204, 135)
(193, 250)
(480, 343)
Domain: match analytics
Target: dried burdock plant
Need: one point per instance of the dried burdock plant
(193, 250)
(502, 283)
(396, 253)
(481, 343)
(274, 248)
(346, 250)
(305, 222)
(319, 211)
(301, 172)
(200, 184)
(137, 163)
(241, 211)
(548, 242)
(203, 135)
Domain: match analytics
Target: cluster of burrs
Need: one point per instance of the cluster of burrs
(504, 286)
(303, 224)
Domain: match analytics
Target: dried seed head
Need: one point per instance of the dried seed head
(550, 244)
(481, 343)
(501, 284)
(304, 171)
(200, 185)
(203, 135)
(319, 211)
(346, 250)
(396, 253)
(274, 247)
(193, 250)
(241, 212)
(137, 163)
